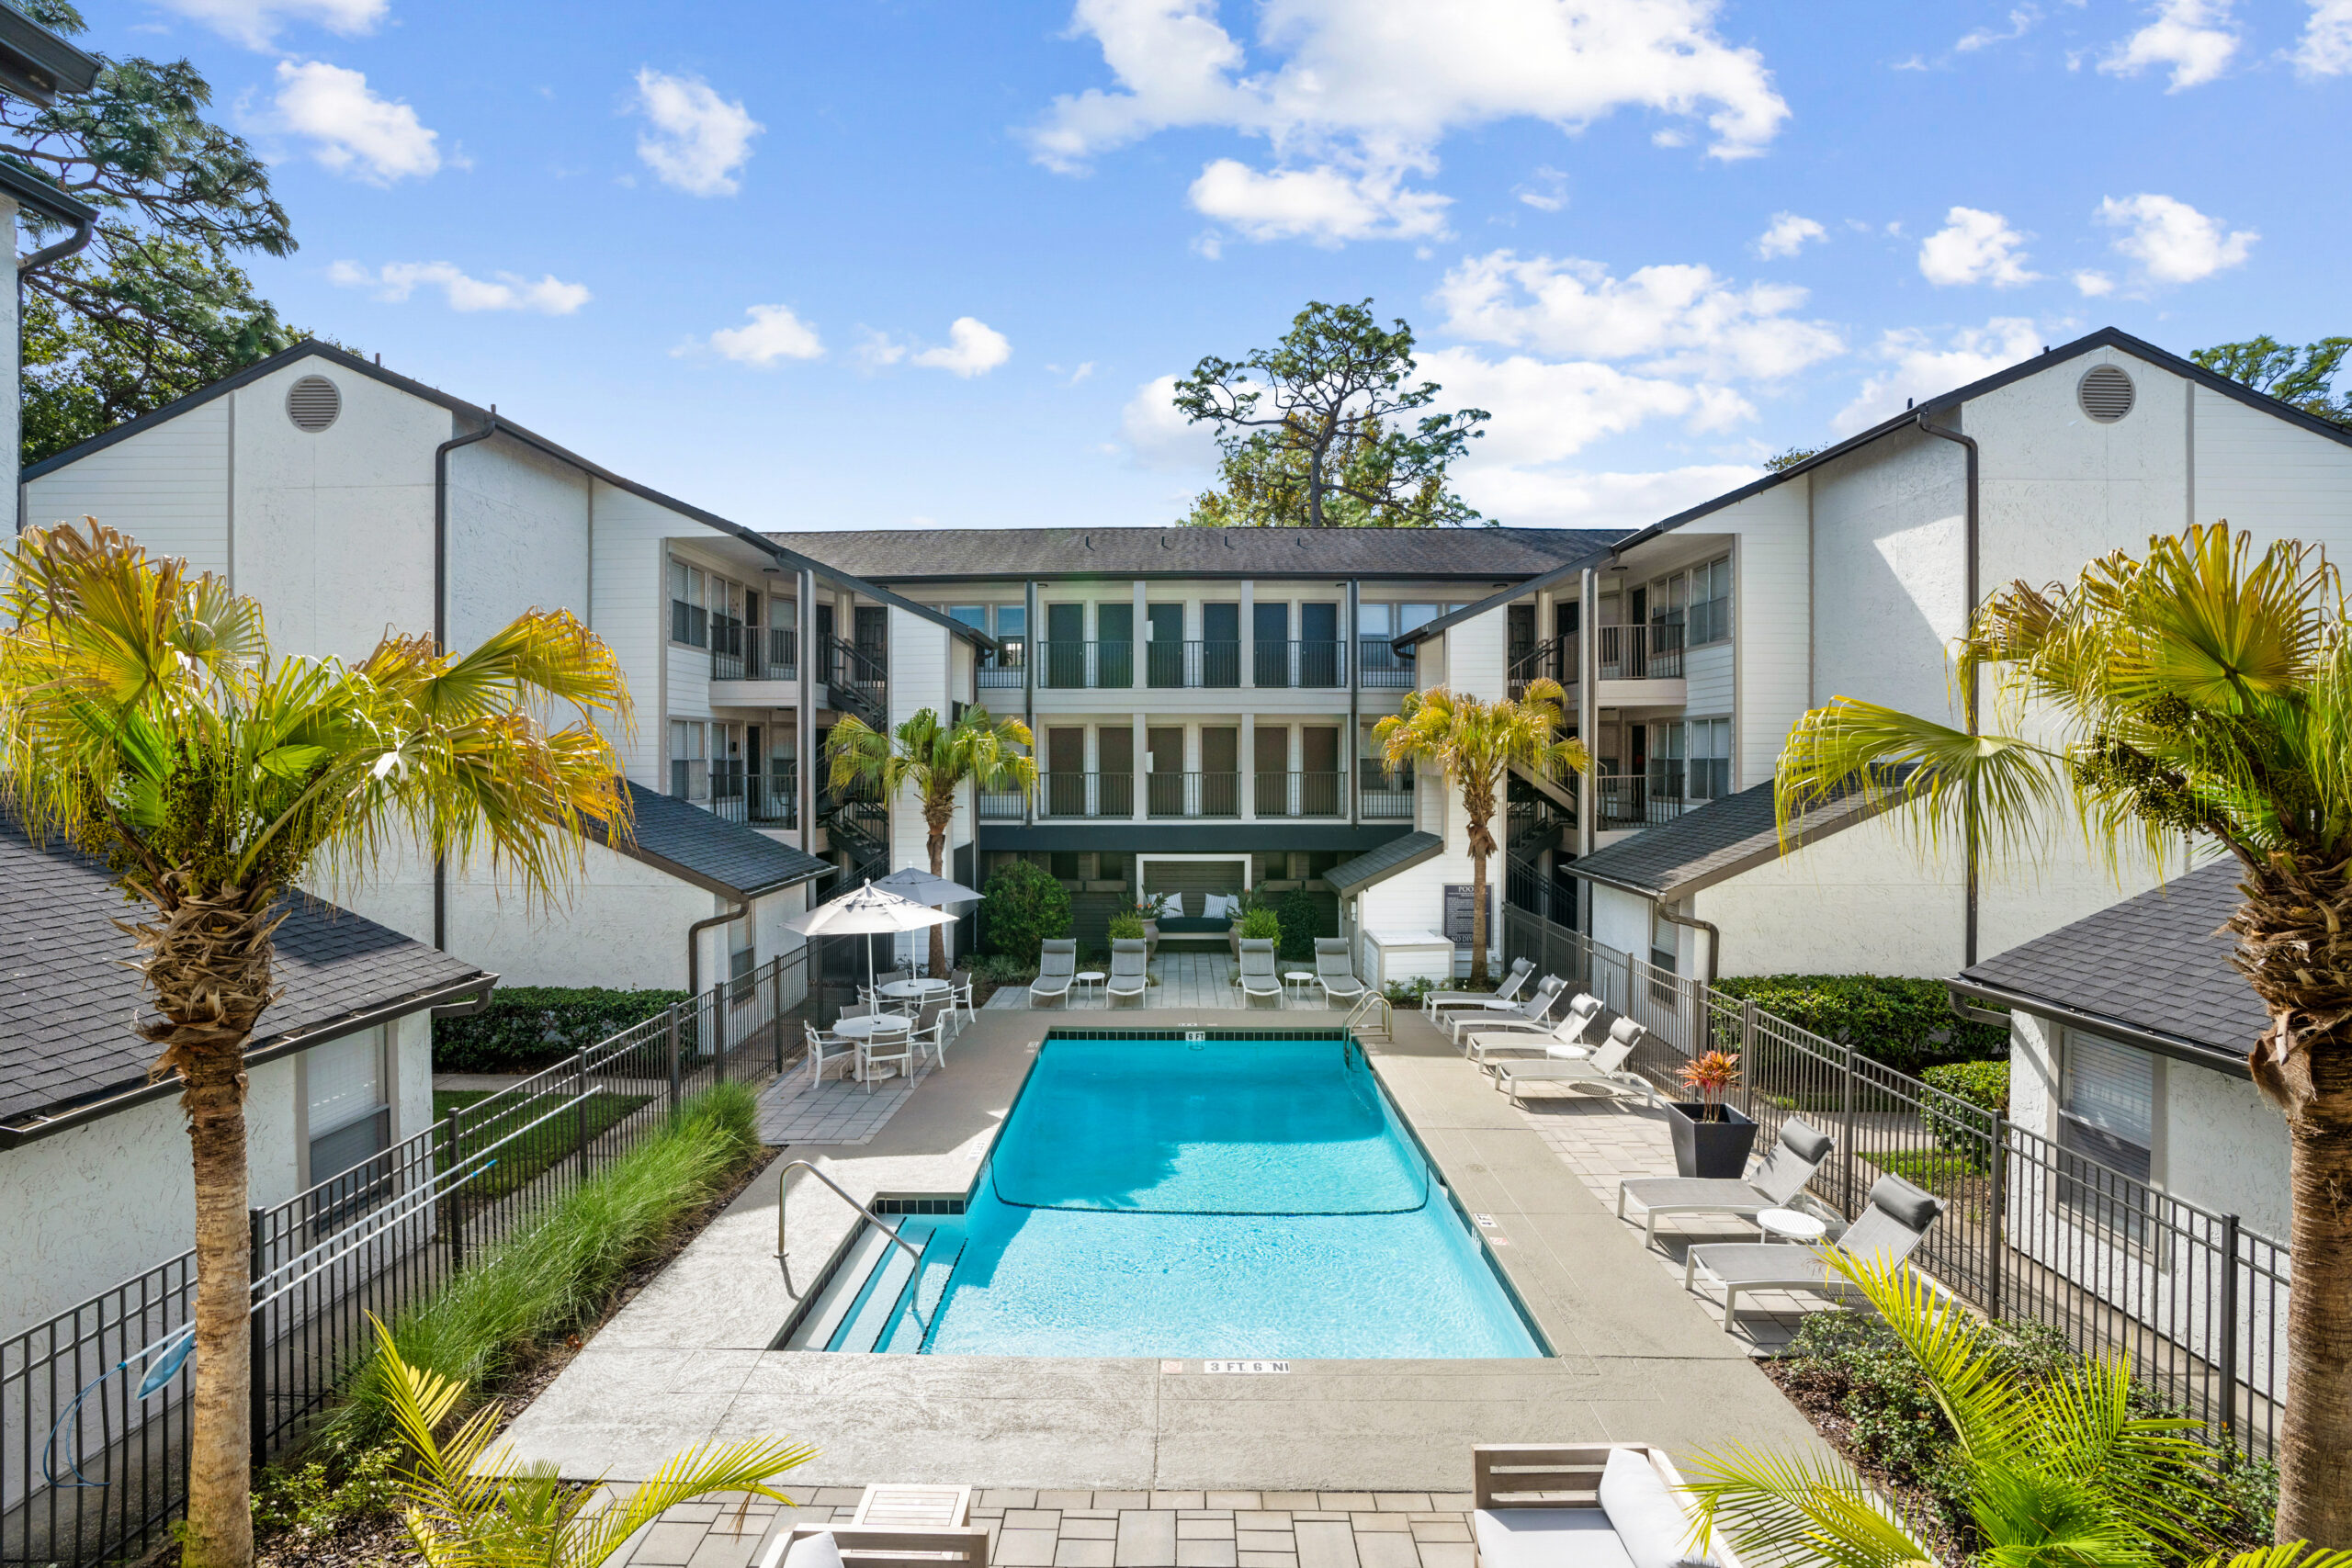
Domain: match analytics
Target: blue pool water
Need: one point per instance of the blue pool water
(1223, 1198)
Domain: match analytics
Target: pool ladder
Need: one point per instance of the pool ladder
(782, 1261)
(1373, 1017)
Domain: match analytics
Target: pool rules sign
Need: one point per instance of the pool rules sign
(1460, 907)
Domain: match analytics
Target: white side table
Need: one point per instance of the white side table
(1302, 983)
(1094, 978)
(1791, 1224)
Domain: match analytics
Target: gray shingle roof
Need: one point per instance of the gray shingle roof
(1719, 840)
(724, 856)
(1398, 854)
(67, 1004)
(907, 555)
(2151, 962)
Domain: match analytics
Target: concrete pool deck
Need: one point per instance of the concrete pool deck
(686, 1360)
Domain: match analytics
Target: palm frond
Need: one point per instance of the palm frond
(1794, 1507)
(1947, 784)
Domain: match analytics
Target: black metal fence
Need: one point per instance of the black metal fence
(2195, 1301)
(94, 1415)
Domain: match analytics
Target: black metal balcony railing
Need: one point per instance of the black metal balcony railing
(1532, 661)
(859, 681)
(1626, 801)
(1195, 664)
(757, 653)
(1383, 797)
(1068, 666)
(774, 800)
(1300, 795)
(1193, 795)
(1007, 667)
(1641, 653)
(1382, 666)
(1318, 666)
(1003, 805)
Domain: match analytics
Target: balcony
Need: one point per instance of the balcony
(1382, 667)
(1273, 666)
(1641, 653)
(1299, 795)
(739, 652)
(1626, 801)
(770, 801)
(1313, 666)
(1312, 795)
(1008, 668)
(1192, 795)
(1086, 794)
(1383, 797)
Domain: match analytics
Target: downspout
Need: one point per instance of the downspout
(1714, 938)
(1967, 444)
(441, 629)
(742, 907)
(34, 263)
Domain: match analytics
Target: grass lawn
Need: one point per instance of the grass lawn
(554, 1138)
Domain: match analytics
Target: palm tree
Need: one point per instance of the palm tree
(2201, 695)
(2058, 1472)
(935, 760)
(1475, 743)
(143, 718)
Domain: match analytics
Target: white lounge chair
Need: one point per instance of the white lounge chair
(1583, 1506)
(1565, 1039)
(800, 1545)
(1534, 1011)
(1435, 1003)
(1057, 966)
(1602, 1073)
(1783, 1174)
(1335, 970)
(1130, 977)
(1893, 1223)
(1257, 977)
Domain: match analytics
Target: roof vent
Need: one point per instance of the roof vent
(2106, 393)
(312, 402)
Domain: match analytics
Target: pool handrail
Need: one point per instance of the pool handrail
(1373, 1003)
(876, 1220)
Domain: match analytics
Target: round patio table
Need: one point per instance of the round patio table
(913, 992)
(1790, 1225)
(1301, 981)
(869, 1026)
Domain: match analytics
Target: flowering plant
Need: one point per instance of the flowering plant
(1710, 1078)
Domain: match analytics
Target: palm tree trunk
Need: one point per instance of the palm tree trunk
(1477, 921)
(220, 1509)
(937, 822)
(2315, 1432)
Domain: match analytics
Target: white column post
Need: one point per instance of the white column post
(1294, 787)
(1139, 651)
(1247, 763)
(1248, 634)
(1139, 781)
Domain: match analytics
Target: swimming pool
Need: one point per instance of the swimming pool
(1224, 1198)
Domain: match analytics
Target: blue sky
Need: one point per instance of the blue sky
(898, 263)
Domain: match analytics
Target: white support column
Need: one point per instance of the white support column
(1139, 781)
(1090, 758)
(1293, 787)
(1248, 634)
(1247, 762)
(1139, 650)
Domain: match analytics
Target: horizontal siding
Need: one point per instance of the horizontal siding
(2272, 479)
(167, 487)
(630, 607)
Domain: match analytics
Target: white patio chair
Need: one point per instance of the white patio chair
(1335, 970)
(1893, 1224)
(1795, 1155)
(1533, 1013)
(1435, 1003)
(959, 989)
(1566, 1039)
(1057, 966)
(1257, 977)
(1130, 972)
(828, 1050)
(930, 1032)
(887, 1047)
(1602, 1073)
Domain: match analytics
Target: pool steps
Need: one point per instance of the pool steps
(864, 1306)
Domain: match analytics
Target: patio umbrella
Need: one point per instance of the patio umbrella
(913, 881)
(868, 911)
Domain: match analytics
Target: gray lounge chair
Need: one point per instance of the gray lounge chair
(1335, 970)
(1057, 966)
(1778, 1179)
(1565, 1039)
(1435, 1003)
(1602, 1073)
(1893, 1224)
(1130, 976)
(1535, 1011)
(1583, 1506)
(1257, 977)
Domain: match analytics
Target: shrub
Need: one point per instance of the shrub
(1261, 924)
(526, 1026)
(1302, 922)
(305, 1498)
(1127, 926)
(1907, 1024)
(1984, 1085)
(1024, 906)
(1409, 993)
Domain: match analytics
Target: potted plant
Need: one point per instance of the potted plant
(1711, 1140)
(1258, 924)
(1145, 912)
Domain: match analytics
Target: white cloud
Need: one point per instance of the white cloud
(396, 281)
(1562, 498)
(1157, 437)
(1325, 204)
(1678, 319)
(2171, 241)
(2326, 49)
(1919, 368)
(351, 130)
(2094, 285)
(1359, 92)
(256, 23)
(1547, 409)
(973, 348)
(1974, 246)
(2194, 38)
(696, 140)
(2022, 21)
(1548, 191)
(1787, 235)
(773, 332)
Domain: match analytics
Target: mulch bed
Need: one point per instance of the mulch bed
(1918, 1510)
(381, 1541)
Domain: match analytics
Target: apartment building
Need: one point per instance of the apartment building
(352, 501)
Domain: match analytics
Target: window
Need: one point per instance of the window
(973, 615)
(1665, 942)
(1711, 603)
(350, 1120)
(1710, 762)
(738, 959)
(689, 611)
(1666, 757)
(689, 771)
(2106, 1114)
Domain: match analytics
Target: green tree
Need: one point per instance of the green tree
(2303, 376)
(156, 306)
(1782, 461)
(1025, 905)
(1324, 430)
(935, 760)
(1475, 743)
(144, 717)
(2201, 695)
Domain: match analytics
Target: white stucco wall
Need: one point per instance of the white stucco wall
(1889, 579)
(518, 537)
(1858, 902)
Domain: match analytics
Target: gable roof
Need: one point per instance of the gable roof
(706, 849)
(2106, 337)
(953, 554)
(499, 424)
(1718, 841)
(67, 1002)
(1378, 864)
(2150, 969)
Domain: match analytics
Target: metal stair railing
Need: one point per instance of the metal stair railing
(860, 683)
(1372, 1006)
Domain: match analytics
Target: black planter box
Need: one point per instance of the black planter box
(1716, 1150)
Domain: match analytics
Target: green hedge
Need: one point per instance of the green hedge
(526, 1026)
(1022, 906)
(1984, 1085)
(1902, 1022)
(1302, 920)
